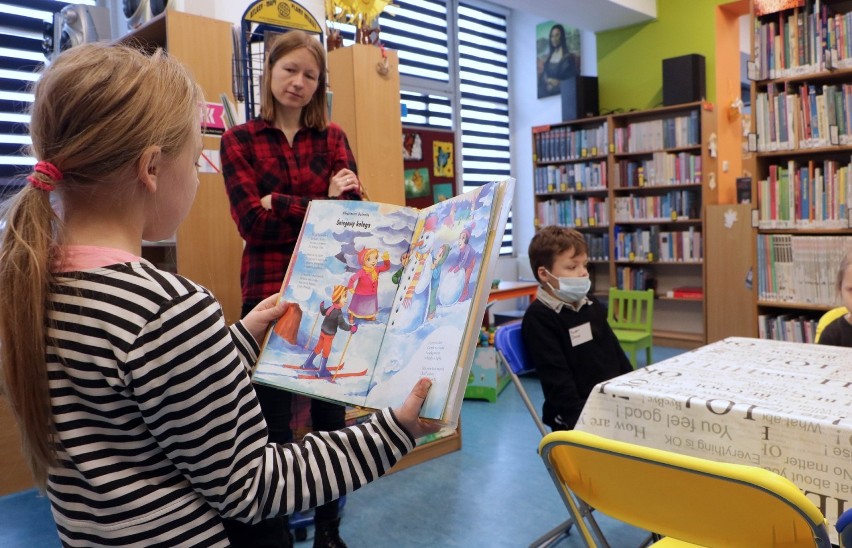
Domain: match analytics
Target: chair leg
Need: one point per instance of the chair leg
(632, 357)
(554, 535)
(648, 358)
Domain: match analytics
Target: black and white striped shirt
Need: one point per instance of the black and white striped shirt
(159, 429)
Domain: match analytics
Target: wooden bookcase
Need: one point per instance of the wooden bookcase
(803, 181)
(207, 248)
(365, 103)
(636, 184)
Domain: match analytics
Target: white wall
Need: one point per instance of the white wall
(529, 111)
(232, 10)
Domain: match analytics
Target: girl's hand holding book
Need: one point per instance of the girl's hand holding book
(409, 413)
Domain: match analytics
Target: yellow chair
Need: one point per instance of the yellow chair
(827, 318)
(687, 501)
(630, 314)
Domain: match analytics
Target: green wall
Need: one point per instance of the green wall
(630, 59)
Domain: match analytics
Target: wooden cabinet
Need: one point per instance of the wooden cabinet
(207, 247)
(14, 473)
(729, 272)
(636, 184)
(366, 104)
(803, 135)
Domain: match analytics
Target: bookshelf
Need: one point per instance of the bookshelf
(635, 184)
(802, 104)
(207, 248)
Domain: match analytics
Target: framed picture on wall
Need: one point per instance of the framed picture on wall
(557, 56)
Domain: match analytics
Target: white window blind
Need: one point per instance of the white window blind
(454, 71)
(21, 56)
(484, 99)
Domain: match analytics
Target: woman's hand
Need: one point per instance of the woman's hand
(344, 180)
(267, 311)
(409, 413)
(266, 202)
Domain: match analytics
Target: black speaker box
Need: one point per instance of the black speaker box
(579, 97)
(683, 79)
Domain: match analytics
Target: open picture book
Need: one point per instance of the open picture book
(381, 295)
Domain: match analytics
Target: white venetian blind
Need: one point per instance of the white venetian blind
(21, 35)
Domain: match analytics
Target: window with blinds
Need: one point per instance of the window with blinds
(453, 60)
(21, 57)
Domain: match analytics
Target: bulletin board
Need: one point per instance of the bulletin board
(429, 159)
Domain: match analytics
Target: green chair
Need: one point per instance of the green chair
(631, 315)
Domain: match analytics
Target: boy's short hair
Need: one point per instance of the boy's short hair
(549, 242)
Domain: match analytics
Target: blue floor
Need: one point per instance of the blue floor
(494, 492)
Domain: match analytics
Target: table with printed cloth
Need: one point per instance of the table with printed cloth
(786, 407)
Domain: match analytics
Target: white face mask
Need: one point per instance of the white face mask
(571, 290)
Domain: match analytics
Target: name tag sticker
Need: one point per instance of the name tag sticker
(581, 334)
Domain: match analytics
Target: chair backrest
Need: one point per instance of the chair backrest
(827, 318)
(631, 309)
(687, 498)
(509, 342)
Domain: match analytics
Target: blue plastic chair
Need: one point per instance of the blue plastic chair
(844, 528)
(510, 347)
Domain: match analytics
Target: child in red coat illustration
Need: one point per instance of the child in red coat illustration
(365, 284)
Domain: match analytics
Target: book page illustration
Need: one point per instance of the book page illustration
(341, 279)
(432, 310)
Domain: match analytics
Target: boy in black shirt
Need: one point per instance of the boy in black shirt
(565, 330)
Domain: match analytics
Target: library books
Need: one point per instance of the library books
(382, 295)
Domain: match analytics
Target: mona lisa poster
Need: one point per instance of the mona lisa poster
(557, 56)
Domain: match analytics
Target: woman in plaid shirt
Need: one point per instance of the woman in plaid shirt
(274, 165)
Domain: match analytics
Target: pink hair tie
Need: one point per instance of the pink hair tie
(50, 171)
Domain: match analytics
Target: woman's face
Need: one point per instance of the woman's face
(555, 37)
(295, 78)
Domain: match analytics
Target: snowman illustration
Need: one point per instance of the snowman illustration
(411, 305)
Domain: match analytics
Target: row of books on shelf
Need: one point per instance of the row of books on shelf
(807, 39)
(812, 195)
(570, 177)
(628, 277)
(695, 293)
(799, 269)
(671, 132)
(662, 169)
(803, 116)
(673, 205)
(598, 246)
(787, 327)
(654, 245)
(574, 212)
(566, 143)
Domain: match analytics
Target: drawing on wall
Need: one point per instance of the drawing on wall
(557, 56)
(442, 159)
(441, 192)
(412, 146)
(417, 183)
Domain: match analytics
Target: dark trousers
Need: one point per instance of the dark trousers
(276, 407)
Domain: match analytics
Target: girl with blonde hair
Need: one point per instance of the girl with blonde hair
(133, 397)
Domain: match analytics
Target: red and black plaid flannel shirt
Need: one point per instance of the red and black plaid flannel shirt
(257, 160)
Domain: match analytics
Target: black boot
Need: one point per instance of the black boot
(327, 535)
(323, 372)
(309, 363)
